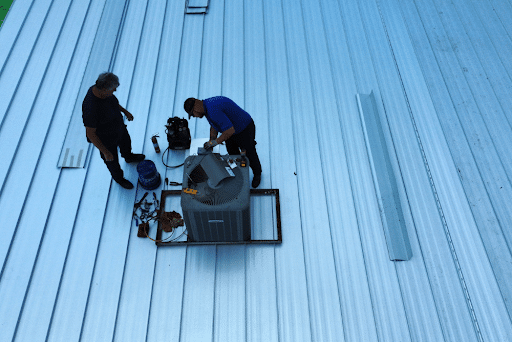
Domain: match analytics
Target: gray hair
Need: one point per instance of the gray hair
(107, 81)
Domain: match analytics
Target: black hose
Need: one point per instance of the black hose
(170, 167)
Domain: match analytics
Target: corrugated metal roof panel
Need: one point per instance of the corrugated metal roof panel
(73, 269)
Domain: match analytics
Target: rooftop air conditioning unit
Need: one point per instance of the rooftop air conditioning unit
(216, 198)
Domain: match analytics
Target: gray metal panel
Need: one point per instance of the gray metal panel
(399, 247)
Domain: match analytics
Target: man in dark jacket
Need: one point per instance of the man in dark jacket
(105, 128)
(235, 125)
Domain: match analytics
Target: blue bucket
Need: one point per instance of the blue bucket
(149, 178)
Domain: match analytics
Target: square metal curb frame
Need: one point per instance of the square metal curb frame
(263, 192)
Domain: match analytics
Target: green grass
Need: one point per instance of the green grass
(4, 7)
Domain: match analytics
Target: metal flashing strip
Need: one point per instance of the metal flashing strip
(257, 192)
(397, 239)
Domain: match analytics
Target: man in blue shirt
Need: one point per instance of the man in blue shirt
(235, 125)
(105, 128)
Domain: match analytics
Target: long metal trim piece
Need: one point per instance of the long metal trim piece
(386, 186)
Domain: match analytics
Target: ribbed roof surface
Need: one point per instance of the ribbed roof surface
(72, 267)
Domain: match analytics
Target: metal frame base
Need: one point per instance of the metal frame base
(256, 192)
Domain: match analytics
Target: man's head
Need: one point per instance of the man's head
(107, 84)
(194, 107)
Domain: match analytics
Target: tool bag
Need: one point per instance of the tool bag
(178, 134)
(149, 178)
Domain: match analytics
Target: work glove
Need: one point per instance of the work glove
(210, 144)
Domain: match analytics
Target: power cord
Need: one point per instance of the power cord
(169, 166)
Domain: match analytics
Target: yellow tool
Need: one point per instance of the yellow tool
(190, 191)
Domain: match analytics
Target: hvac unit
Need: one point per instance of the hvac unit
(216, 198)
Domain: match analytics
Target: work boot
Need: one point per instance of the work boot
(125, 183)
(134, 158)
(256, 181)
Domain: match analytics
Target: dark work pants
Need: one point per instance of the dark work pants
(124, 143)
(245, 141)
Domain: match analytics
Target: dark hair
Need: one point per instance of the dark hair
(107, 81)
(189, 105)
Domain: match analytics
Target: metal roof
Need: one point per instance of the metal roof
(72, 267)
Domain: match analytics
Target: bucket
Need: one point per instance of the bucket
(149, 178)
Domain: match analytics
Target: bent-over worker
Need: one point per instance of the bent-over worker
(235, 125)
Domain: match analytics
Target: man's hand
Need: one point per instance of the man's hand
(210, 144)
(129, 115)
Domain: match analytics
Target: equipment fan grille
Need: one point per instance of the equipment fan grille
(228, 190)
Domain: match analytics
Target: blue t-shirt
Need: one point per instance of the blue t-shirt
(222, 113)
